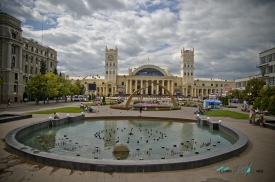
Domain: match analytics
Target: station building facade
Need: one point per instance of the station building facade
(144, 77)
(19, 58)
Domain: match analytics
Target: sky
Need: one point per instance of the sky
(227, 35)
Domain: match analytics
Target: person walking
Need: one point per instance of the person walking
(140, 111)
(9, 102)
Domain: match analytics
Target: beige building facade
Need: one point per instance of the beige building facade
(19, 58)
(144, 77)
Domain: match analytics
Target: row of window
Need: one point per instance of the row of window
(36, 60)
(268, 58)
(33, 49)
(110, 72)
(217, 85)
(188, 65)
(110, 64)
(188, 74)
(268, 69)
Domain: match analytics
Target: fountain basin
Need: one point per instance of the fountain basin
(110, 165)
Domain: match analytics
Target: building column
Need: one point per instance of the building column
(172, 87)
(162, 90)
(130, 87)
(141, 86)
(152, 87)
(126, 86)
(9, 57)
(20, 58)
(135, 84)
(157, 91)
(146, 85)
(168, 85)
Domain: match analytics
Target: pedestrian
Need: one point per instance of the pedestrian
(250, 116)
(9, 102)
(55, 116)
(253, 116)
(140, 111)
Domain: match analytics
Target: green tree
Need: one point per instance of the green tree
(64, 86)
(253, 88)
(37, 86)
(267, 91)
(90, 97)
(257, 103)
(55, 71)
(264, 102)
(271, 105)
(43, 67)
(80, 86)
(52, 85)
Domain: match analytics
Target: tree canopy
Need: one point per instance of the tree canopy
(52, 85)
(43, 67)
(253, 88)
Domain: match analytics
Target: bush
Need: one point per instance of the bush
(257, 103)
(103, 100)
(271, 106)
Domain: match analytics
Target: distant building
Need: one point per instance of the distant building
(19, 58)
(267, 70)
(267, 66)
(185, 84)
(240, 83)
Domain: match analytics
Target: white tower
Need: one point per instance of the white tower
(111, 63)
(187, 66)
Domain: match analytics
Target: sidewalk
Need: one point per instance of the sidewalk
(260, 153)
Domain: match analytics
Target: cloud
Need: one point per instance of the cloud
(227, 35)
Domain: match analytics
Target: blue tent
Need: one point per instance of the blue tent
(212, 103)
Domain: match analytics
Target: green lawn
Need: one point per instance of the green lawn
(58, 110)
(225, 113)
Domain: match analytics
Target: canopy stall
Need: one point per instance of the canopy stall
(213, 104)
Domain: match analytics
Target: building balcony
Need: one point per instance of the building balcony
(262, 65)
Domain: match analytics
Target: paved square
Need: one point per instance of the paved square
(260, 153)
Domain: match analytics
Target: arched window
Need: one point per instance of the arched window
(149, 72)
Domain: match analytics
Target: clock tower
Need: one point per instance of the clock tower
(111, 63)
(187, 66)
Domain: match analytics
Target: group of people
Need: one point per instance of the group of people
(86, 108)
(253, 120)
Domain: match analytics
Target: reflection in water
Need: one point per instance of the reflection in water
(146, 139)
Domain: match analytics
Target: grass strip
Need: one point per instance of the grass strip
(59, 110)
(226, 113)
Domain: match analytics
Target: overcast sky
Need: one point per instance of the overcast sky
(227, 35)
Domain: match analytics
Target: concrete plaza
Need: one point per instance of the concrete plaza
(259, 153)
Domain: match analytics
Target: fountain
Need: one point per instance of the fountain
(89, 144)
